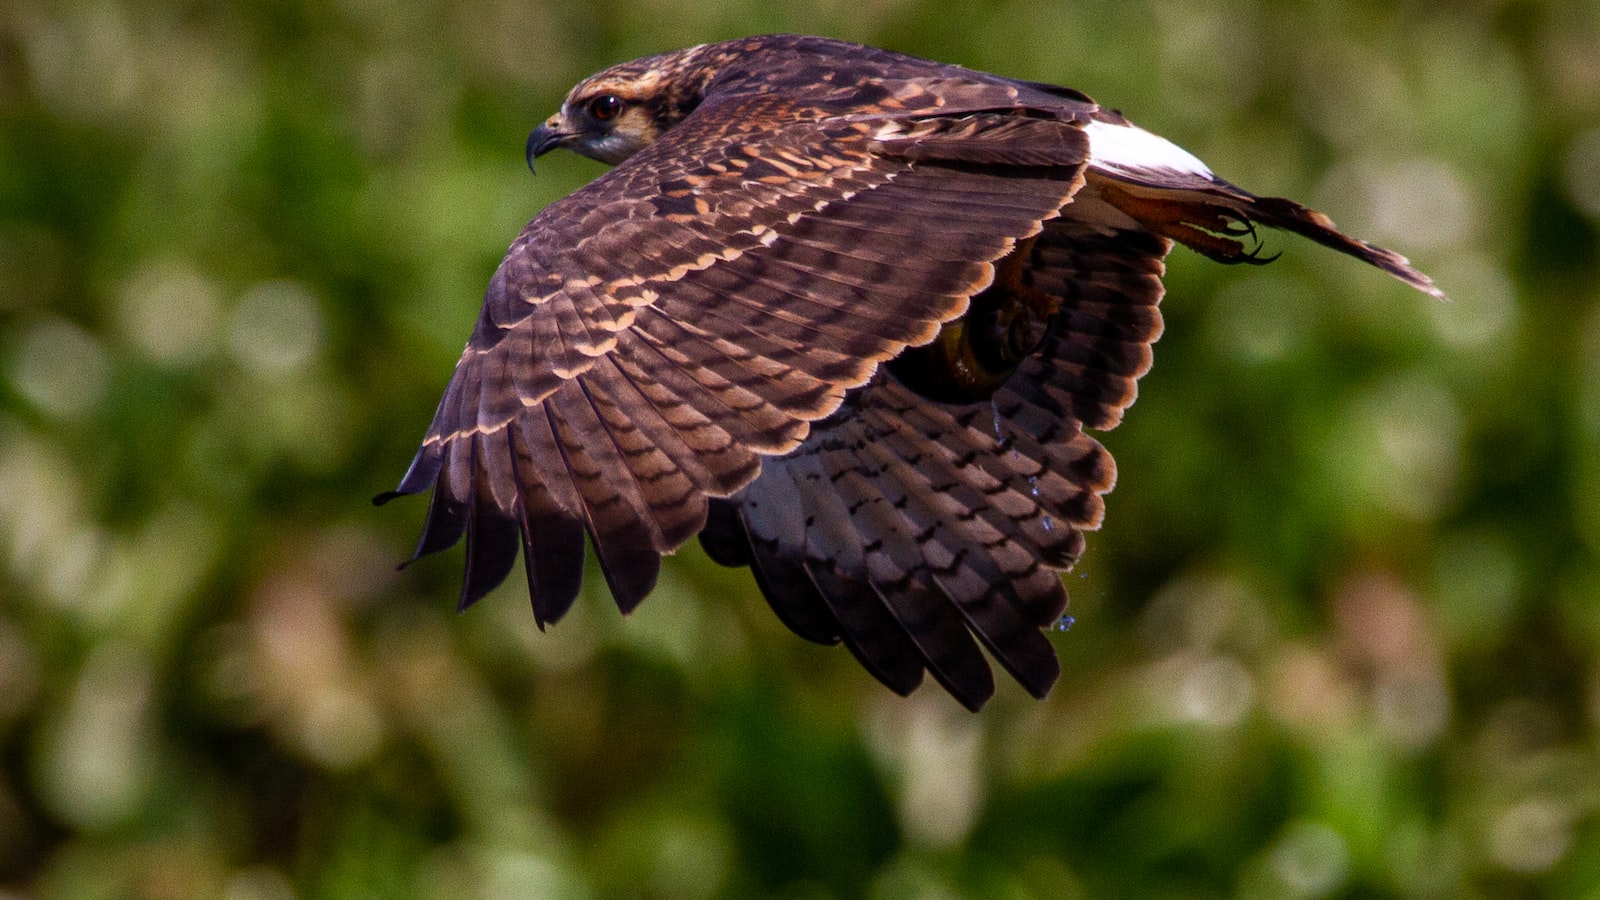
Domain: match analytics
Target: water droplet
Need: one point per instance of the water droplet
(1065, 622)
(1048, 524)
(994, 409)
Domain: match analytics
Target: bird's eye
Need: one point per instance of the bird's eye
(605, 107)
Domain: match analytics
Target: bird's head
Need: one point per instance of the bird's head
(614, 114)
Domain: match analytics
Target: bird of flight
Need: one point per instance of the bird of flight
(844, 314)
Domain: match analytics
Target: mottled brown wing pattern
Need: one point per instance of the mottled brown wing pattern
(846, 314)
(651, 337)
(904, 527)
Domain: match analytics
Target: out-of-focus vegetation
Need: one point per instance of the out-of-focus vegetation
(1339, 638)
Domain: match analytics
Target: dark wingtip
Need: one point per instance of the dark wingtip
(386, 496)
(630, 588)
(493, 540)
(971, 691)
(554, 565)
(1041, 675)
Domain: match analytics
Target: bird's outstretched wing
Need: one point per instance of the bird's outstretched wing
(845, 315)
(904, 527)
(650, 338)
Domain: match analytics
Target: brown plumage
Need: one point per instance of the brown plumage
(844, 314)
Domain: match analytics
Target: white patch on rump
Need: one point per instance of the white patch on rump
(1129, 147)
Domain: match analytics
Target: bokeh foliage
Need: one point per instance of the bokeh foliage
(1340, 636)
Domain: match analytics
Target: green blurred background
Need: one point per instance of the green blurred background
(1340, 636)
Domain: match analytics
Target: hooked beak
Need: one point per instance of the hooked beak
(542, 140)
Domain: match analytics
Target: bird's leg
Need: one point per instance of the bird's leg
(1206, 227)
(974, 355)
(1012, 280)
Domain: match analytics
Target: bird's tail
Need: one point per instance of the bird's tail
(1219, 221)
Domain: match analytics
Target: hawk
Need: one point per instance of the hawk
(845, 314)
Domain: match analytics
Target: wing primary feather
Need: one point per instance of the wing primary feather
(725, 538)
(702, 447)
(491, 537)
(894, 569)
(701, 450)
(794, 599)
(421, 475)
(552, 539)
(646, 475)
(723, 386)
(446, 521)
(960, 567)
(764, 528)
(628, 558)
(868, 629)
(945, 644)
(832, 561)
